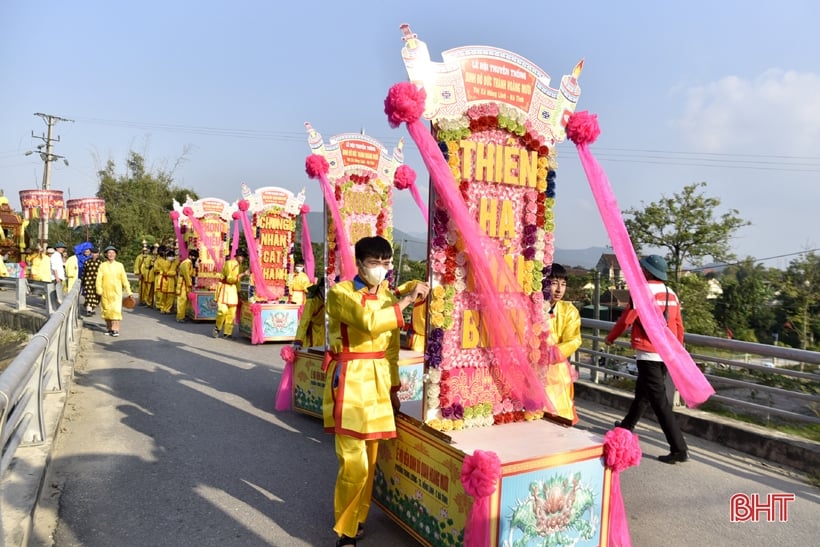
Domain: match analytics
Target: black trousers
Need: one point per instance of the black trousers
(650, 390)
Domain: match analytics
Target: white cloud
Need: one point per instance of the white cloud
(775, 113)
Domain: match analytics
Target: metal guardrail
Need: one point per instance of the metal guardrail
(749, 356)
(33, 375)
(24, 287)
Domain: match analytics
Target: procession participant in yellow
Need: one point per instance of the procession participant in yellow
(160, 263)
(147, 279)
(418, 323)
(565, 338)
(4, 272)
(311, 330)
(138, 267)
(46, 274)
(112, 283)
(362, 378)
(298, 284)
(185, 283)
(72, 271)
(169, 282)
(35, 259)
(227, 293)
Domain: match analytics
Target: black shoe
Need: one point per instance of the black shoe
(674, 457)
(621, 425)
(346, 540)
(359, 532)
(115, 333)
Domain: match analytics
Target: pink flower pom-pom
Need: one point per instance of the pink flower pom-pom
(316, 165)
(188, 212)
(244, 205)
(404, 103)
(582, 128)
(621, 449)
(305, 209)
(256, 308)
(288, 354)
(480, 473)
(404, 178)
(174, 215)
(235, 215)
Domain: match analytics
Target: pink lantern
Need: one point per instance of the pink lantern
(86, 211)
(47, 204)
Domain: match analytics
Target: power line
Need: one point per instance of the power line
(754, 261)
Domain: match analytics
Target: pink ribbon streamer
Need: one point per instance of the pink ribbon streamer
(213, 251)
(307, 246)
(621, 450)
(511, 357)
(414, 191)
(343, 247)
(283, 392)
(480, 473)
(689, 380)
(183, 248)
(262, 290)
(235, 239)
(257, 331)
(194, 303)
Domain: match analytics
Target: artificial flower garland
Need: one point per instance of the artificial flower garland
(488, 122)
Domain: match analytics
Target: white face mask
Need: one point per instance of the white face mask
(376, 275)
(299, 269)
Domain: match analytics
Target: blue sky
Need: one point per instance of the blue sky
(722, 92)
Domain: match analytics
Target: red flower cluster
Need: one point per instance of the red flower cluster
(484, 123)
(359, 179)
(508, 417)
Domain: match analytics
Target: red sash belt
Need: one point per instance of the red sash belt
(331, 356)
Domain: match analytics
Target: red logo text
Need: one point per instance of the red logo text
(754, 508)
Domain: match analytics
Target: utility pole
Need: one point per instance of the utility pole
(47, 156)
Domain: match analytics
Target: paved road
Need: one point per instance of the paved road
(170, 439)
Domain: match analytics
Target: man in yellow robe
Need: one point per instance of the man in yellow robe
(160, 263)
(311, 330)
(417, 330)
(112, 283)
(298, 284)
(168, 284)
(227, 294)
(185, 283)
(72, 271)
(147, 279)
(362, 378)
(565, 338)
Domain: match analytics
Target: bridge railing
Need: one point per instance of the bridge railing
(35, 374)
(741, 372)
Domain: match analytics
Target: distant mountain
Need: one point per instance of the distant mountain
(415, 246)
(582, 258)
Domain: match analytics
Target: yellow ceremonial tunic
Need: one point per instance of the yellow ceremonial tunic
(72, 271)
(227, 296)
(357, 391)
(111, 282)
(168, 285)
(418, 325)
(185, 283)
(356, 403)
(4, 272)
(147, 280)
(565, 335)
(160, 263)
(298, 286)
(311, 330)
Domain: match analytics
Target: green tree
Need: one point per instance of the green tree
(687, 225)
(744, 309)
(138, 204)
(696, 309)
(801, 301)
